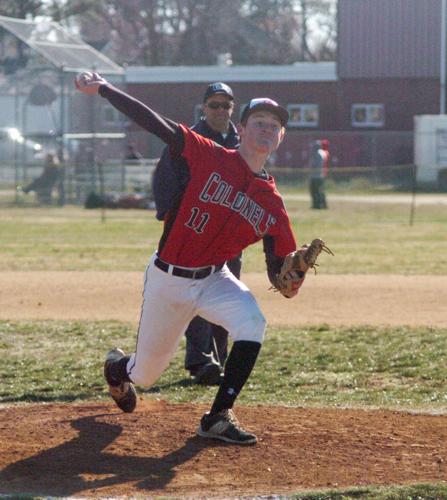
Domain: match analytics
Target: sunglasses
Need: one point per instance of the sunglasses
(217, 105)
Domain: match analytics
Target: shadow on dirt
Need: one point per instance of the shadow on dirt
(82, 463)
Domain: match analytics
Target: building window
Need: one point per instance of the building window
(367, 115)
(303, 115)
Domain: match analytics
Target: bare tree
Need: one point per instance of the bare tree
(318, 29)
(21, 9)
(192, 32)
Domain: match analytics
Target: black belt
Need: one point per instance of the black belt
(195, 274)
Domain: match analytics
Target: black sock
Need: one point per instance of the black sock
(239, 365)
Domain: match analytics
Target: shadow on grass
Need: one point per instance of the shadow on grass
(42, 398)
(69, 398)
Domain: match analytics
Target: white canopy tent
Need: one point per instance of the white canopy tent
(65, 51)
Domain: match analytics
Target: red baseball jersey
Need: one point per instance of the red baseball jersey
(224, 209)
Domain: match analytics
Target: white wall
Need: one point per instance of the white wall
(430, 146)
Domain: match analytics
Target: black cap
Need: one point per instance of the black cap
(218, 88)
(265, 104)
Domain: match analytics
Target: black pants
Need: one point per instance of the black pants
(316, 187)
(204, 338)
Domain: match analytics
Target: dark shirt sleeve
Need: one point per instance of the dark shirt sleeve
(164, 128)
(273, 262)
(169, 181)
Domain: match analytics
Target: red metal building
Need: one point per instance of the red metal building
(387, 71)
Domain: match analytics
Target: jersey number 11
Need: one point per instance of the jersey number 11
(197, 221)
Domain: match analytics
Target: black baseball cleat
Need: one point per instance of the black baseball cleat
(123, 393)
(224, 426)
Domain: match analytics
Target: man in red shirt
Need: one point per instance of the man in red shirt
(229, 203)
(319, 168)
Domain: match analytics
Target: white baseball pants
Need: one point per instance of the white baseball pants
(171, 302)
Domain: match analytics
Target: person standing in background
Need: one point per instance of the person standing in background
(206, 343)
(319, 168)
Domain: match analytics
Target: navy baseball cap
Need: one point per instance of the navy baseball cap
(265, 104)
(218, 88)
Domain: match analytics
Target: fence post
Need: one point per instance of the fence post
(413, 196)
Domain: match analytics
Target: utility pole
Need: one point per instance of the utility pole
(442, 56)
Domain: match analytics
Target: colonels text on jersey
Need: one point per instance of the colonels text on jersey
(220, 192)
(223, 198)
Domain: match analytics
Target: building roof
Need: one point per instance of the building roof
(302, 71)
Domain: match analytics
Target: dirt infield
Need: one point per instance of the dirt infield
(93, 450)
(348, 300)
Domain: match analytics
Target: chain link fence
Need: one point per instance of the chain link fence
(127, 183)
(113, 182)
(130, 180)
(389, 178)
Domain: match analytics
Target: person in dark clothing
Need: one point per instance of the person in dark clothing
(44, 184)
(319, 167)
(132, 152)
(206, 343)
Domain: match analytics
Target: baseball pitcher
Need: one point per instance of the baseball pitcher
(230, 202)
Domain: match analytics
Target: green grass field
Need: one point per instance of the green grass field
(400, 367)
(316, 366)
(368, 366)
(367, 238)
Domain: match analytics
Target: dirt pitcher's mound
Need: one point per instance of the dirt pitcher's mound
(95, 450)
(337, 300)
